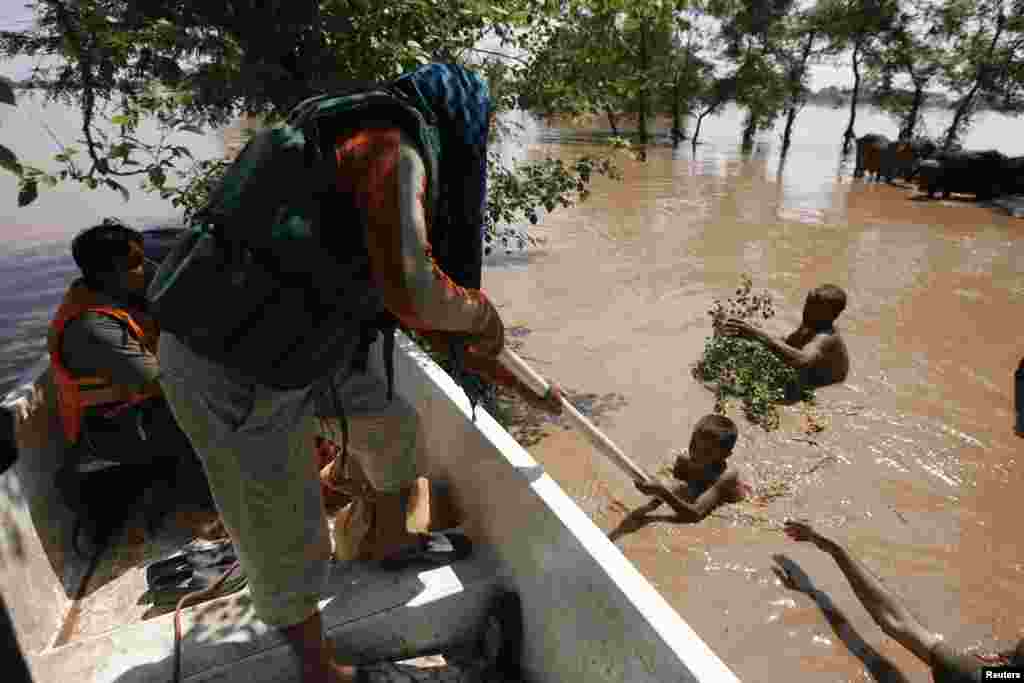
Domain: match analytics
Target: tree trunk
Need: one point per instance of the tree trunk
(963, 109)
(677, 114)
(849, 136)
(960, 117)
(613, 120)
(696, 130)
(910, 122)
(749, 131)
(797, 98)
(642, 110)
(788, 132)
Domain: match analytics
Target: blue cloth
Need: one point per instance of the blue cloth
(458, 97)
(461, 104)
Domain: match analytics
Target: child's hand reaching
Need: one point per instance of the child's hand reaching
(655, 488)
(803, 532)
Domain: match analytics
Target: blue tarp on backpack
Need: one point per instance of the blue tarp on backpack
(461, 101)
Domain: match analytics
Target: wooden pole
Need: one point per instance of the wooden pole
(597, 439)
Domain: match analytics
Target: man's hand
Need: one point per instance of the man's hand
(551, 403)
(489, 340)
(734, 327)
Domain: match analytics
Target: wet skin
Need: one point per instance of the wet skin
(815, 349)
(705, 466)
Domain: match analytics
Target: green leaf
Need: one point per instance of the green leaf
(7, 92)
(29, 192)
(9, 161)
(121, 120)
(157, 176)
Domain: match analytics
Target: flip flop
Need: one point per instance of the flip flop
(170, 593)
(197, 554)
(436, 550)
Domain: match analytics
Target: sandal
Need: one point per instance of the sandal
(197, 554)
(436, 550)
(169, 593)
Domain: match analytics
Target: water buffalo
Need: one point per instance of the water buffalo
(1013, 176)
(978, 173)
(870, 149)
(901, 159)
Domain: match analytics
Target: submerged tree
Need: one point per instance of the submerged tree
(690, 69)
(856, 25)
(912, 49)
(751, 29)
(795, 50)
(714, 94)
(977, 31)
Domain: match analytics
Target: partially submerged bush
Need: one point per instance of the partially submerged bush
(745, 369)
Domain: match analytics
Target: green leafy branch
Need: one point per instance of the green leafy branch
(744, 369)
(515, 193)
(114, 150)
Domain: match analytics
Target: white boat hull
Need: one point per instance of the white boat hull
(588, 614)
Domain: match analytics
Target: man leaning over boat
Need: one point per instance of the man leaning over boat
(255, 437)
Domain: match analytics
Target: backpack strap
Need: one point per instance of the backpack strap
(339, 406)
(457, 353)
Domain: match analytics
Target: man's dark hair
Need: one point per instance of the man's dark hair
(831, 295)
(719, 427)
(104, 248)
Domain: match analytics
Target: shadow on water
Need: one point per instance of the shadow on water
(794, 578)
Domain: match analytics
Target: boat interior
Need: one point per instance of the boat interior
(587, 614)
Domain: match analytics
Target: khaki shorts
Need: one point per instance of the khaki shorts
(256, 445)
(384, 436)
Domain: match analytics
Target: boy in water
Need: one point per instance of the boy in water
(706, 479)
(815, 348)
(948, 664)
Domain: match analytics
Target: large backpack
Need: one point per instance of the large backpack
(273, 277)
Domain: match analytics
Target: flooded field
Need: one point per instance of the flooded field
(916, 467)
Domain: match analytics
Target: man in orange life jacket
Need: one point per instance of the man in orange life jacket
(102, 346)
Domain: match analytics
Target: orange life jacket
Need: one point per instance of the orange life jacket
(75, 394)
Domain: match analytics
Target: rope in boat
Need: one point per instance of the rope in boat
(199, 596)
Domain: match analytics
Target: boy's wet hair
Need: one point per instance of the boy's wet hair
(832, 295)
(719, 427)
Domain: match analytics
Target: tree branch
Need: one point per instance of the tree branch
(499, 54)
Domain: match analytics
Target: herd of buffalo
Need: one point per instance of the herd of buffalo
(986, 174)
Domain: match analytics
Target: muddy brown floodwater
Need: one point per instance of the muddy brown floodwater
(916, 469)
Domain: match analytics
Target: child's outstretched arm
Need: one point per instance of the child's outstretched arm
(727, 489)
(683, 510)
(886, 609)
